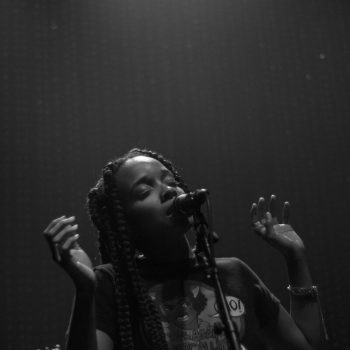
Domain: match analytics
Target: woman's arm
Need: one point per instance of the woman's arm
(61, 235)
(305, 310)
(82, 332)
(302, 329)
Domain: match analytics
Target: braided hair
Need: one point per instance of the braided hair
(108, 216)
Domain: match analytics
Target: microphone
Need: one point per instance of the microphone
(188, 203)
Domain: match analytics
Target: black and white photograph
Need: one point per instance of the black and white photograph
(175, 174)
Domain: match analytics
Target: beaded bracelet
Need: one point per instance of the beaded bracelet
(306, 292)
(310, 293)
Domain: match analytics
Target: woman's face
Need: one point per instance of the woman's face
(147, 191)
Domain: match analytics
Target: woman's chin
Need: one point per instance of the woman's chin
(181, 222)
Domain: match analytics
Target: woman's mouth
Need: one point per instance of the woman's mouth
(170, 211)
(176, 217)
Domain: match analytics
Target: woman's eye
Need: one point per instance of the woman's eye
(142, 192)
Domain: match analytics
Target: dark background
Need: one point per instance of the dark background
(247, 97)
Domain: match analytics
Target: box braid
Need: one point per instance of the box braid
(109, 250)
(108, 216)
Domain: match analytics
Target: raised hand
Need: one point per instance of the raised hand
(281, 236)
(62, 238)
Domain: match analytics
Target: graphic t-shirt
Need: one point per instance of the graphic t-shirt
(187, 305)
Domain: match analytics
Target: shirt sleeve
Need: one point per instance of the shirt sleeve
(265, 302)
(105, 301)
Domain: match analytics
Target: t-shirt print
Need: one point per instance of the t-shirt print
(188, 312)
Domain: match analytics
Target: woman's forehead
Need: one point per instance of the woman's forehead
(136, 167)
(142, 163)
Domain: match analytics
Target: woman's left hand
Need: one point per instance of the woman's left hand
(280, 236)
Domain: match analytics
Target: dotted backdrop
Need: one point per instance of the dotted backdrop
(248, 98)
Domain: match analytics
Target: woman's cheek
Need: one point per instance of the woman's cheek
(145, 211)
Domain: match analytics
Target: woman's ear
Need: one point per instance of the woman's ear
(136, 242)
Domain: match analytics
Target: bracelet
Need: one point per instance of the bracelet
(310, 293)
(304, 292)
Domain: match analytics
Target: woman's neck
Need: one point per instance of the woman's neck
(171, 251)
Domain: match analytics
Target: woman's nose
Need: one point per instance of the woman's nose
(168, 193)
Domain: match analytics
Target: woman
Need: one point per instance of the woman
(151, 292)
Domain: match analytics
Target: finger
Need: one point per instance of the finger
(56, 254)
(268, 218)
(272, 206)
(63, 248)
(60, 249)
(286, 213)
(67, 231)
(261, 208)
(254, 213)
(53, 223)
(55, 241)
(259, 229)
(269, 221)
(68, 244)
(59, 225)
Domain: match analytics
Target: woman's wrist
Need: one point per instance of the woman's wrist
(296, 256)
(298, 270)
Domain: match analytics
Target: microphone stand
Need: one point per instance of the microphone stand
(205, 237)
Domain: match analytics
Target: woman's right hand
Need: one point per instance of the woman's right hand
(62, 237)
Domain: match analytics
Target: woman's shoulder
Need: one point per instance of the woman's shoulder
(234, 266)
(229, 263)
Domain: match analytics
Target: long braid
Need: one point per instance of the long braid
(119, 224)
(151, 320)
(107, 214)
(110, 252)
